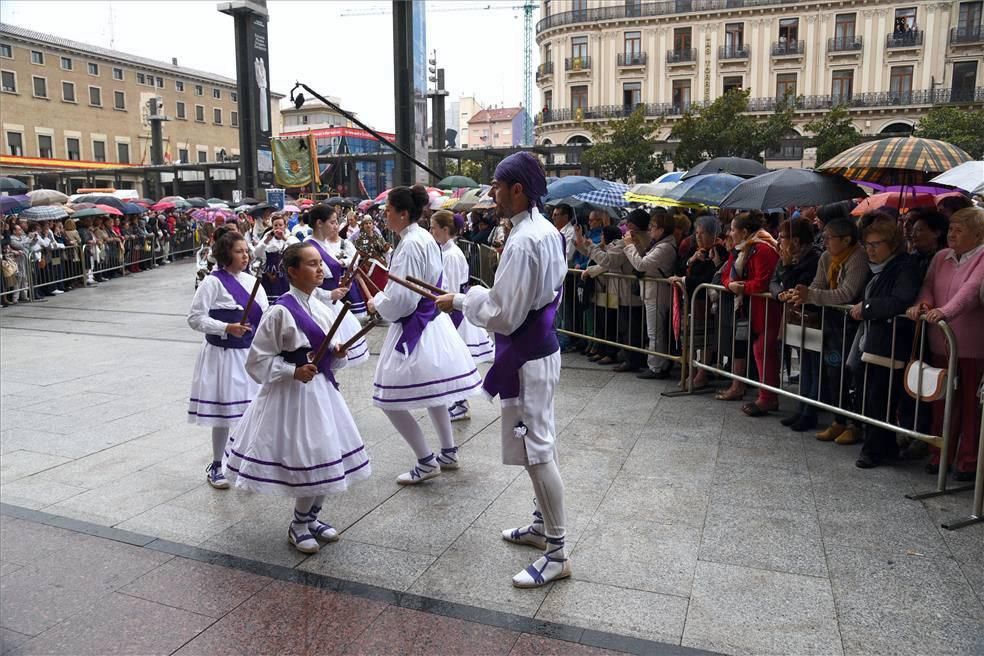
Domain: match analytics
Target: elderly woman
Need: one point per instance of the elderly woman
(927, 236)
(951, 293)
(841, 276)
(893, 286)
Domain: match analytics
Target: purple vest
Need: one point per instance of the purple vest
(414, 323)
(314, 335)
(336, 268)
(241, 296)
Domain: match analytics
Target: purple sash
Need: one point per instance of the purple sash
(336, 268)
(314, 335)
(534, 339)
(457, 316)
(414, 323)
(240, 295)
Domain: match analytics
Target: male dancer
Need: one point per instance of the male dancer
(520, 310)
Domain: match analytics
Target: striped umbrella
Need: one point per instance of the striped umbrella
(611, 195)
(898, 160)
(44, 213)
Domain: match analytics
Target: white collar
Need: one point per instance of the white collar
(952, 255)
(301, 296)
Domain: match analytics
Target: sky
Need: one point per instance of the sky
(341, 49)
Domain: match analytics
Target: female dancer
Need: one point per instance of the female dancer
(445, 230)
(270, 252)
(220, 389)
(423, 362)
(298, 438)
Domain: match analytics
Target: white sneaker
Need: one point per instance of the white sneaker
(459, 411)
(448, 459)
(425, 469)
(303, 542)
(57, 291)
(215, 477)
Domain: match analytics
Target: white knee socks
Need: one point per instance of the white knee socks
(408, 427)
(442, 424)
(549, 489)
(220, 435)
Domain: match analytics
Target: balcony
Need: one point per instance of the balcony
(578, 64)
(910, 39)
(631, 59)
(734, 52)
(966, 34)
(788, 48)
(682, 56)
(848, 44)
(545, 70)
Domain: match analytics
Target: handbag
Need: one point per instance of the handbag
(923, 382)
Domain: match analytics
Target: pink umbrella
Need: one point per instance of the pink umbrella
(163, 205)
(112, 211)
(209, 214)
(291, 208)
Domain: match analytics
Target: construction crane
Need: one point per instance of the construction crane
(527, 8)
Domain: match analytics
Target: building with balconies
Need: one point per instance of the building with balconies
(887, 62)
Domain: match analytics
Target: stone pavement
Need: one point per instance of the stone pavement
(691, 524)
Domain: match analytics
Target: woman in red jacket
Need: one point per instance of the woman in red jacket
(749, 270)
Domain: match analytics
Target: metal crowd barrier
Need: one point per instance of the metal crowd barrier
(470, 249)
(17, 285)
(52, 268)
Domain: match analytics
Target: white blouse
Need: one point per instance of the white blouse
(417, 255)
(212, 295)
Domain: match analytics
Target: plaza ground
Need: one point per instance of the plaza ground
(693, 527)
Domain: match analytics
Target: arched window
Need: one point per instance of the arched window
(897, 129)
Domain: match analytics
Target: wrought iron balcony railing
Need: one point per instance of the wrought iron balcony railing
(844, 44)
(681, 56)
(621, 10)
(734, 52)
(784, 48)
(631, 59)
(577, 63)
(967, 34)
(910, 39)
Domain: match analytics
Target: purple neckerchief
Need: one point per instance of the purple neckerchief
(240, 295)
(415, 322)
(534, 339)
(333, 265)
(312, 331)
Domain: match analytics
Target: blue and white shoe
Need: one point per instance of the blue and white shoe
(448, 458)
(426, 468)
(215, 477)
(299, 536)
(551, 566)
(319, 529)
(531, 536)
(459, 411)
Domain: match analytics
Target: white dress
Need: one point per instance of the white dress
(439, 370)
(456, 280)
(296, 439)
(220, 389)
(531, 270)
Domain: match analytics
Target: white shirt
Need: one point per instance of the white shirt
(212, 295)
(530, 273)
(417, 255)
(273, 246)
(569, 235)
(455, 267)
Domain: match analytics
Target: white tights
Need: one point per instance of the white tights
(548, 487)
(220, 435)
(303, 505)
(408, 427)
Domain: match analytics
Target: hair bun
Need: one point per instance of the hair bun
(420, 196)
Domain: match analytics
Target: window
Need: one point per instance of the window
(141, 78)
(681, 95)
(844, 26)
(123, 153)
(841, 86)
(99, 151)
(900, 82)
(8, 81)
(547, 100)
(37, 57)
(179, 85)
(633, 45)
(6, 51)
(119, 100)
(45, 147)
(579, 47)
(66, 63)
(200, 113)
(73, 148)
(15, 144)
(179, 110)
(117, 73)
(199, 90)
(633, 7)
(217, 116)
(968, 19)
(68, 92)
(734, 36)
(217, 94)
(732, 83)
(788, 31)
(183, 155)
(233, 96)
(905, 20)
(93, 68)
(160, 83)
(682, 39)
(234, 119)
(579, 97)
(202, 156)
(40, 87)
(631, 94)
(964, 81)
(95, 96)
(785, 85)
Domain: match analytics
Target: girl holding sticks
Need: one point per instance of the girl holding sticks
(227, 312)
(298, 438)
(423, 362)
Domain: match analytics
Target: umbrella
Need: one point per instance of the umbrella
(109, 209)
(196, 202)
(87, 212)
(13, 204)
(250, 201)
(613, 195)
(146, 202)
(789, 187)
(208, 214)
(486, 201)
(133, 208)
(470, 198)
(217, 201)
(44, 213)
(744, 168)
(896, 200)
(97, 199)
(898, 160)
(336, 201)
(353, 200)
(46, 197)
(172, 198)
(672, 176)
(572, 185)
(291, 208)
(969, 176)
(704, 189)
(242, 208)
(259, 208)
(457, 182)
(163, 205)
(83, 206)
(645, 192)
(12, 185)
(582, 208)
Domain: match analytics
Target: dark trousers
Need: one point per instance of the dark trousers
(632, 329)
(880, 402)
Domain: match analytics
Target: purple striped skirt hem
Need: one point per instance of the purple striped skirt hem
(433, 382)
(219, 402)
(289, 468)
(428, 396)
(287, 484)
(200, 414)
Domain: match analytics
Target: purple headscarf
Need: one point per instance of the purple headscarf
(459, 222)
(525, 169)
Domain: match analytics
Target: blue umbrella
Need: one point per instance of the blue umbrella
(613, 195)
(705, 189)
(13, 204)
(672, 176)
(44, 213)
(572, 185)
(133, 208)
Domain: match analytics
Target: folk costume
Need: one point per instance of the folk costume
(269, 254)
(336, 256)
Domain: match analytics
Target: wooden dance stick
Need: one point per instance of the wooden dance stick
(359, 335)
(326, 344)
(360, 281)
(428, 286)
(412, 287)
(252, 297)
(364, 277)
(349, 272)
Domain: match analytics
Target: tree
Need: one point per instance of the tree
(962, 128)
(624, 148)
(833, 133)
(725, 129)
(468, 168)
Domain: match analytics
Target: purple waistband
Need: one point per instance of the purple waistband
(534, 339)
(414, 324)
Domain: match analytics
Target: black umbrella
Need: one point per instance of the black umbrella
(13, 186)
(743, 168)
(197, 202)
(259, 208)
(96, 199)
(352, 200)
(249, 201)
(336, 201)
(788, 187)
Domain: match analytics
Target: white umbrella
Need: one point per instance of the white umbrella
(46, 197)
(968, 176)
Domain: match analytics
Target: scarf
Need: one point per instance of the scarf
(836, 264)
(744, 249)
